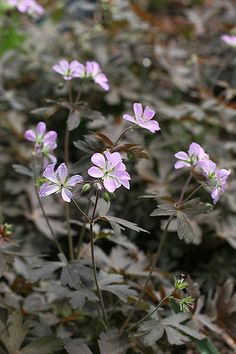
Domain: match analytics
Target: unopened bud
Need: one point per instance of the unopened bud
(106, 196)
(86, 187)
(60, 85)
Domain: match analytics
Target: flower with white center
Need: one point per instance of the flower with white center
(143, 118)
(59, 182)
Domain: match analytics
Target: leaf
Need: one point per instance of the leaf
(74, 120)
(126, 223)
(23, 170)
(44, 345)
(184, 228)
(195, 207)
(17, 331)
(176, 332)
(166, 207)
(5, 261)
(77, 346)
(89, 145)
(111, 342)
(46, 112)
(79, 297)
(43, 270)
(77, 274)
(112, 284)
(102, 206)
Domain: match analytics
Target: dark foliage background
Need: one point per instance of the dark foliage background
(166, 54)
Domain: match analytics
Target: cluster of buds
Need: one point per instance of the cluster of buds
(5, 233)
(204, 169)
(44, 142)
(186, 303)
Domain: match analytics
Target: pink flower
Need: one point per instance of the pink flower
(93, 70)
(230, 40)
(216, 179)
(45, 142)
(29, 6)
(110, 169)
(143, 118)
(69, 70)
(195, 154)
(59, 182)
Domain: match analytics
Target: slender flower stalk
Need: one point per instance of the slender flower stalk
(94, 264)
(69, 233)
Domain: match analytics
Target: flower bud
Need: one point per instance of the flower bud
(106, 196)
(86, 187)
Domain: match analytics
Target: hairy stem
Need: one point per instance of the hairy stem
(184, 189)
(94, 265)
(154, 263)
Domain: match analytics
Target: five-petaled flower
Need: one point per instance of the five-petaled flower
(195, 154)
(110, 169)
(230, 40)
(45, 142)
(69, 70)
(58, 182)
(143, 118)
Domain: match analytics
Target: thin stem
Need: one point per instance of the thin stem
(67, 133)
(81, 211)
(184, 189)
(120, 136)
(94, 265)
(154, 263)
(82, 233)
(69, 234)
(154, 310)
(44, 213)
(192, 194)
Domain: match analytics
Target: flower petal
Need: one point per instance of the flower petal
(50, 174)
(129, 118)
(72, 181)
(182, 155)
(30, 135)
(95, 172)
(181, 164)
(148, 113)
(111, 184)
(151, 125)
(40, 129)
(66, 195)
(113, 159)
(98, 160)
(138, 110)
(51, 135)
(62, 172)
(64, 64)
(58, 69)
(47, 189)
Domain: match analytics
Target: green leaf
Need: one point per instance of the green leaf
(23, 170)
(77, 274)
(205, 346)
(195, 207)
(44, 345)
(17, 331)
(166, 207)
(73, 121)
(79, 297)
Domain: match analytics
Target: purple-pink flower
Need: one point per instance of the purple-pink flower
(45, 142)
(29, 6)
(58, 182)
(93, 70)
(230, 40)
(190, 159)
(69, 70)
(143, 118)
(216, 179)
(110, 169)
